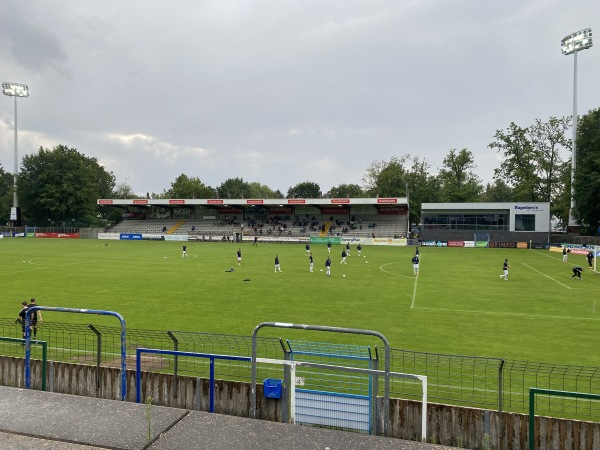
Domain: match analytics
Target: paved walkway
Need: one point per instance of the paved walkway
(35, 419)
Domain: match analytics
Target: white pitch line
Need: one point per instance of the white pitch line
(498, 313)
(412, 305)
(547, 276)
(391, 273)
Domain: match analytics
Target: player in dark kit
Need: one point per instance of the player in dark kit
(21, 317)
(307, 249)
(577, 272)
(311, 265)
(329, 246)
(590, 258)
(277, 267)
(343, 261)
(505, 268)
(35, 317)
(415, 262)
(239, 256)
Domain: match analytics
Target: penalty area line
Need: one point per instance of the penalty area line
(547, 276)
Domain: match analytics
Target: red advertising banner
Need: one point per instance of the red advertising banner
(387, 200)
(332, 211)
(176, 202)
(139, 201)
(254, 202)
(280, 210)
(230, 211)
(296, 201)
(392, 210)
(57, 235)
(215, 202)
(456, 243)
(105, 202)
(336, 201)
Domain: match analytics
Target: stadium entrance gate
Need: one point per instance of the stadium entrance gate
(329, 398)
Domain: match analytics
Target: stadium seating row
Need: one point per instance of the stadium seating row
(364, 228)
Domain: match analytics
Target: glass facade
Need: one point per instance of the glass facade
(469, 222)
(524, 222)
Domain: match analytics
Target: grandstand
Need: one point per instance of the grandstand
(214, 219)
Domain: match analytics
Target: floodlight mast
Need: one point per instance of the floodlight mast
(15, 90)
(571, 44)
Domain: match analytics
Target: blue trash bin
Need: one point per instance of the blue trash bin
(272, 388)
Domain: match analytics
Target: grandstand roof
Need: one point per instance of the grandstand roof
(245, 202)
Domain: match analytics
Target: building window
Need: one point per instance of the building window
(466, 222)
(524, 222)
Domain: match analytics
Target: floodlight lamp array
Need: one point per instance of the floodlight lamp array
(577, 41)
(15, 89)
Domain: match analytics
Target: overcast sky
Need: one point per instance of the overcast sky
(285, 91)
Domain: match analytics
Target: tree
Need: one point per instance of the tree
(6, 195)
(422, 187)
(62, 185)
(499, 191)
(386, 178)
(123, 190)
(345, 191)
(306, 189)
(234, 188)
(457, 181)
(258, 190)
(587, 175)
(189, 187)
(531, 163)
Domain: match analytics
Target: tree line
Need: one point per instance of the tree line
(61, 185)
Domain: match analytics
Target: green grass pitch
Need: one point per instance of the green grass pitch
(458, 304)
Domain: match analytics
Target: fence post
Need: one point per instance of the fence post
(500, 395)
(175, 362)
(98, 352)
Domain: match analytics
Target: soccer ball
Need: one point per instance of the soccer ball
(344, 276)
(165, 257)
(321, 270)
(366, 262)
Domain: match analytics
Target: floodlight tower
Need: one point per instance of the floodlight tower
(15, 90)
(571, 44)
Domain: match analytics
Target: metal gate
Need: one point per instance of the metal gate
(330, 398)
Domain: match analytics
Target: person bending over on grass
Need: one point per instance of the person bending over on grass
(577, 272)
(505, 268)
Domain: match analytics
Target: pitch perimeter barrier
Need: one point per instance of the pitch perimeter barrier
(334, 421)
(76, 311)
(453, 379)
(44, 345)
(532, 396)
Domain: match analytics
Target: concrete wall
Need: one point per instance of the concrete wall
(462, 427)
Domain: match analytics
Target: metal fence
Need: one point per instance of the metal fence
(488, 383)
